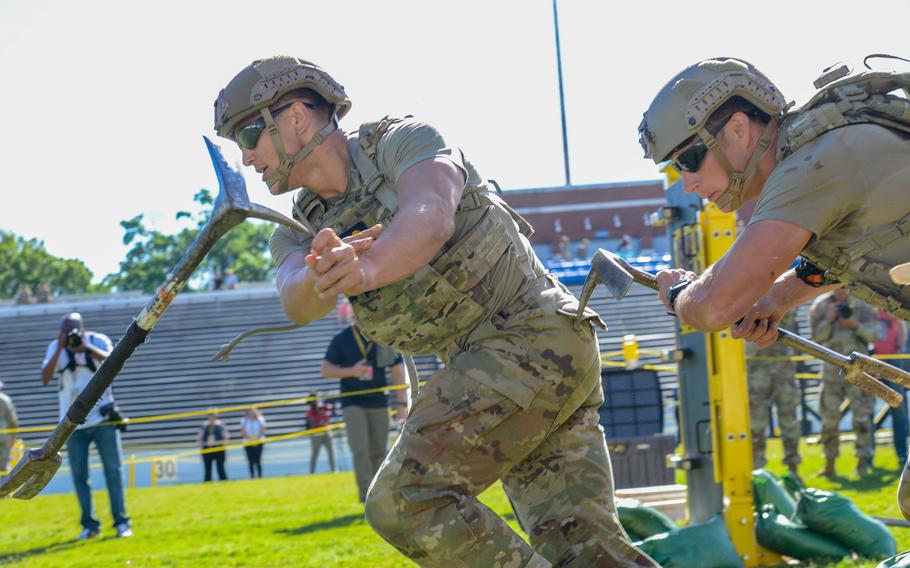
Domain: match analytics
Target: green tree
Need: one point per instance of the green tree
(154, 254)
(25, 261)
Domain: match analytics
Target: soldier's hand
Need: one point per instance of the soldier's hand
(667, 278)
(337, 265)
(759, 325)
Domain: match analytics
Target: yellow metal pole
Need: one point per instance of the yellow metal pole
(729, 395)
(132, 474)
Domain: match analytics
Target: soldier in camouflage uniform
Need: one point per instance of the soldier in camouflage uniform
(773, 381)
(452, 273)
(8, 420)
(844, 324)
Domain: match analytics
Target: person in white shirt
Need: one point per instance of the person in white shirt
(73, 357)
(252, 428)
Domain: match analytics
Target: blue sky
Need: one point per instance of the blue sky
(105, 103)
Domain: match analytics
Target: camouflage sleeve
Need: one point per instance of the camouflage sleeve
(284, 241)
(409, 142)
(821, 329)
(869, 327)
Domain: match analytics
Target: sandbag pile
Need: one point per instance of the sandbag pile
(812, 524)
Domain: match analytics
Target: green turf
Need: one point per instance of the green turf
(294, 521)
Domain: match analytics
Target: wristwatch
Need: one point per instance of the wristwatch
(674, 292)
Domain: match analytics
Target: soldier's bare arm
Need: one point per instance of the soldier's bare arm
(295, 281)
(787, 292)
(731, 287)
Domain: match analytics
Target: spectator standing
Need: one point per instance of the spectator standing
(362, 365)
(582, 251)
(252, 429)
(562, 248)
(230, 280)
(773, 380)
(317, 416)
(213, 434)
(845, 325)
(8, 420)
(892, 338)
(25, 295)
(84, 351)
(42, 293)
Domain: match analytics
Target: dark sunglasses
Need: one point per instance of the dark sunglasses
(248, 136)
(690, 160)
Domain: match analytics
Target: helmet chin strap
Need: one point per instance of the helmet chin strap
(287, 162)
(733, 195)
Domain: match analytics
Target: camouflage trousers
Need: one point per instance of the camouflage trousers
(519, 404)
(834, 391)
(769, 382)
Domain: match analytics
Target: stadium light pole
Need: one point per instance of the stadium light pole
(562, 99)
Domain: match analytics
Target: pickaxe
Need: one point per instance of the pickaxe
(857, 368)
(231, 207)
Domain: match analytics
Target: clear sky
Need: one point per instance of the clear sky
(105, 103)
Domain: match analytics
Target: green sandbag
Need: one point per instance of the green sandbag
(836, 516)
(643, 522)
(768, 490)
(902, 560)
(776, 531)
(792, 485)
(706, 545)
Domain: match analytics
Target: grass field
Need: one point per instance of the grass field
(312, 521)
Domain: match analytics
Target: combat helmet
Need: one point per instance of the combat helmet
(682, 107)
(259, 85)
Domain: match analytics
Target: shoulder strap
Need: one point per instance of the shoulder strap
(864, 98)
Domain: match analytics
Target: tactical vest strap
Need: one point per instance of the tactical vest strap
(860, 99)
(878, 240)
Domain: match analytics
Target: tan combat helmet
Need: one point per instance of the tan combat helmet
(259, 85)
(681, 109)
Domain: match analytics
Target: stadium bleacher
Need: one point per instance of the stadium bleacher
(173, 371)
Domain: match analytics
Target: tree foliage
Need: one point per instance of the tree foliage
(153, 254)
(25, 261)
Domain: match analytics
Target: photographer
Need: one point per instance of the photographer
(74, 356)
(845, 325)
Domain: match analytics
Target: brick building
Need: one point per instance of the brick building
(601, 213)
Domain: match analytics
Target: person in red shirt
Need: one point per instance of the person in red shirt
(317, 416)
(893, 334)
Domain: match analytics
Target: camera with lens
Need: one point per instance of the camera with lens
(844, 311)
(74, 338)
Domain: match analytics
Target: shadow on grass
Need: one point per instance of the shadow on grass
(339, 523)
(23, 554)
(875, 480)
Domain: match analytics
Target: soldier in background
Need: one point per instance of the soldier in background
(844, 324)
(772, 380)
(8, 420)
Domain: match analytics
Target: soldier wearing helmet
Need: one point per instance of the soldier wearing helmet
(830, 180)
(434, 261)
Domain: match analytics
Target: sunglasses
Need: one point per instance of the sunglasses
(248, 136)
(690, 160)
